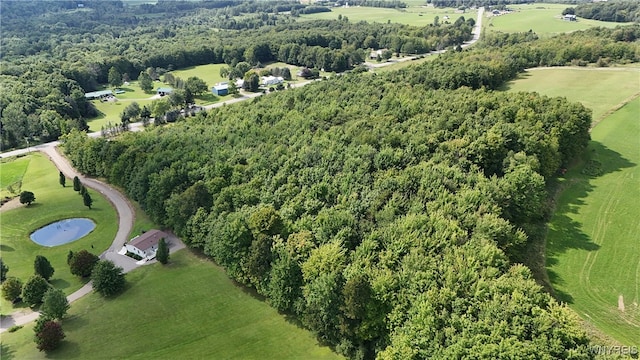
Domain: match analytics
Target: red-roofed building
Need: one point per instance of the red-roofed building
(145, 245)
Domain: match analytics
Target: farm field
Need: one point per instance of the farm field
(592, 246)
(53, 202)
(416, 15)
(543, 19)
(191, 311)
(615, 85)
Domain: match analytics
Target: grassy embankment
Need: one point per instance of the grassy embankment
(188, 310)
(592, 256)
(543, 19)
(53, 203)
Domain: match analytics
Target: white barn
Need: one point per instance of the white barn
(146, 245)
(272, 80)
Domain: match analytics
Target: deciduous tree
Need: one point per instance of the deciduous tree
(82, 262)
(11, 288)
(49, 336)
(115, 78)
(107, 278)
(54, 304)
(34, 289)
(145, 81)
(4, 269)
(27, 197)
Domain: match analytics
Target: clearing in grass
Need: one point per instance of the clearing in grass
(188, 309)
(416, 15)
(53, 203)
(593, 260)
(543, 19)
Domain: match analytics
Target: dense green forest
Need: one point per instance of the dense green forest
(78, 47)
(618, 11)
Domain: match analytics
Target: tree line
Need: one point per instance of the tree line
(617, 11)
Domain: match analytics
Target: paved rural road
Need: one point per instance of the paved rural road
(122, 205)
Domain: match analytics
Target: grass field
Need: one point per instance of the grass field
(614, 85)
(593, 260)
(209, 73)
(414, 14)
(11, 173)
(543, 19)
(53, 202)
(187, 310)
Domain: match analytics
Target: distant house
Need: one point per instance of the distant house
(164, 91)
(220, 89)
(569, 17)
(146, 245)
(496, 12)
(272, 80)
(375, 54)
(98, 94)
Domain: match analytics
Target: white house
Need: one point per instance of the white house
(272, 80)
(145, 245)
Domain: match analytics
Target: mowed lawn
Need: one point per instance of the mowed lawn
(593, 253)
(186, 310)
(543, 19)
(416, 15)
(53, 203)
(11, 173)
(600, 89)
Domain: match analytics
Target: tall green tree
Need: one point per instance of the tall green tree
(77, 185)
(62, 179)
(162, 254)
(27, 197)
(196, 86)
(107, 278)
(42, 267)
(34, 289)
(54, 304)
(87, 200)
(114, 77)
(145, 81)
(251, 81)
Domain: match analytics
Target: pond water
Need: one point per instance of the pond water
(62, 232)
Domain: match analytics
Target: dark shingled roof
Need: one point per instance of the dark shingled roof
(148, 239)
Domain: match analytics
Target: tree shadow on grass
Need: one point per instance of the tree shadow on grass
(6, 353)
(6, 248)
(564, 233)
(59, 283)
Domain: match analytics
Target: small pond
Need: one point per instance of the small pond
(62, 232)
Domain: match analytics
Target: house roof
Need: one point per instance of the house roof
(165, 90)
(148, 239)
(96, 94)
(222, 87)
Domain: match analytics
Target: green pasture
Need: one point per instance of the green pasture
(593, 260)
(53, 202)
(210, 73)
(416, 15)
(186, 310)
(543, 19)
(600, 89)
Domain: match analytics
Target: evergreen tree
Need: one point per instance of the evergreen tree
(76, 183)
(4, 269)
(162, 254)
(63, 179)
(87, 200)
(43, 267)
